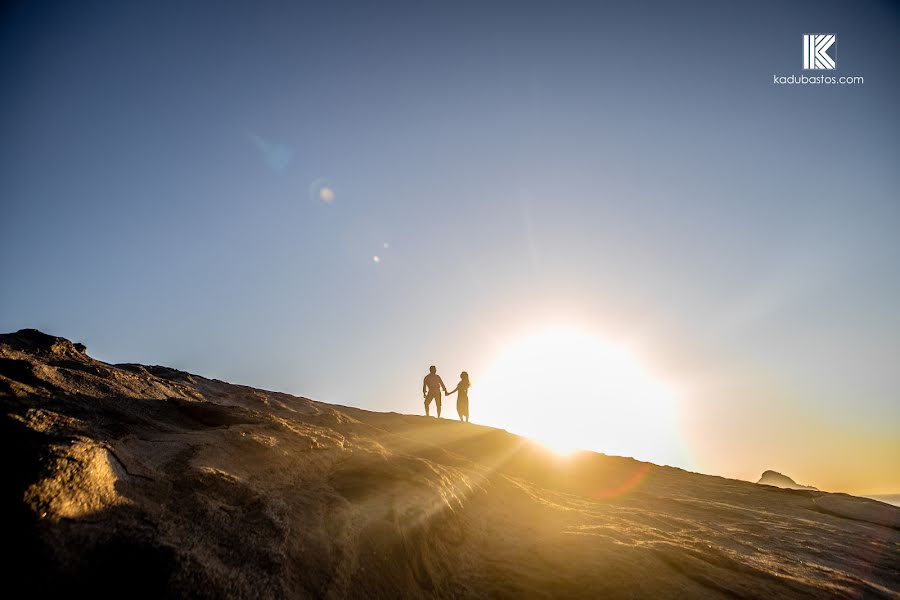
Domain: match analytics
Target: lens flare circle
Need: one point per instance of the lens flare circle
(321, 190)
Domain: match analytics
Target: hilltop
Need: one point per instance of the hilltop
(149, 481)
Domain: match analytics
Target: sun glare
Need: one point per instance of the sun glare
(569, 390)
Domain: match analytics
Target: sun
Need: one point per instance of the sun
(569, 389)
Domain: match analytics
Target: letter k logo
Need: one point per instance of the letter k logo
(815, 51)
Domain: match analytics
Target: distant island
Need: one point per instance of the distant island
(783, 481)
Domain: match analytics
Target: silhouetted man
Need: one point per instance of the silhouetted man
(431, 390)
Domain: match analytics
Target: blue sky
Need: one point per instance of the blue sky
(632, 169)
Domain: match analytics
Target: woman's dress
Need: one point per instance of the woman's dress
(462, 401)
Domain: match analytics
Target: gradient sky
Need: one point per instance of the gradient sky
(630, 169)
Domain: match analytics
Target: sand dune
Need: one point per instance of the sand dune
(147, 481)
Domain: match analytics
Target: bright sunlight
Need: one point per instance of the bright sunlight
(570, 390)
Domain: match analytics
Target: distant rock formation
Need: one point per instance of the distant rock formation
(783, 481)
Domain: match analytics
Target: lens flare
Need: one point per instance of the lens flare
(321, 190)
(620, 487)
(277, 156)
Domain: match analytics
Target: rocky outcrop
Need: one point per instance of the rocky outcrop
(141, 481)
(783, 481)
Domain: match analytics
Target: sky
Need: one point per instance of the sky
(206, 185)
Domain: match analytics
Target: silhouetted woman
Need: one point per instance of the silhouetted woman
(462, 401)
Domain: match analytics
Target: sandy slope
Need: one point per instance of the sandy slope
(147, 481)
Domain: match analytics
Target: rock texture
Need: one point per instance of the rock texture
(134, 481)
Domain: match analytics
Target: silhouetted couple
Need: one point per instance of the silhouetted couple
(431, 390)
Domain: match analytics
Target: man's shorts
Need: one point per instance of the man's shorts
(436, 396)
